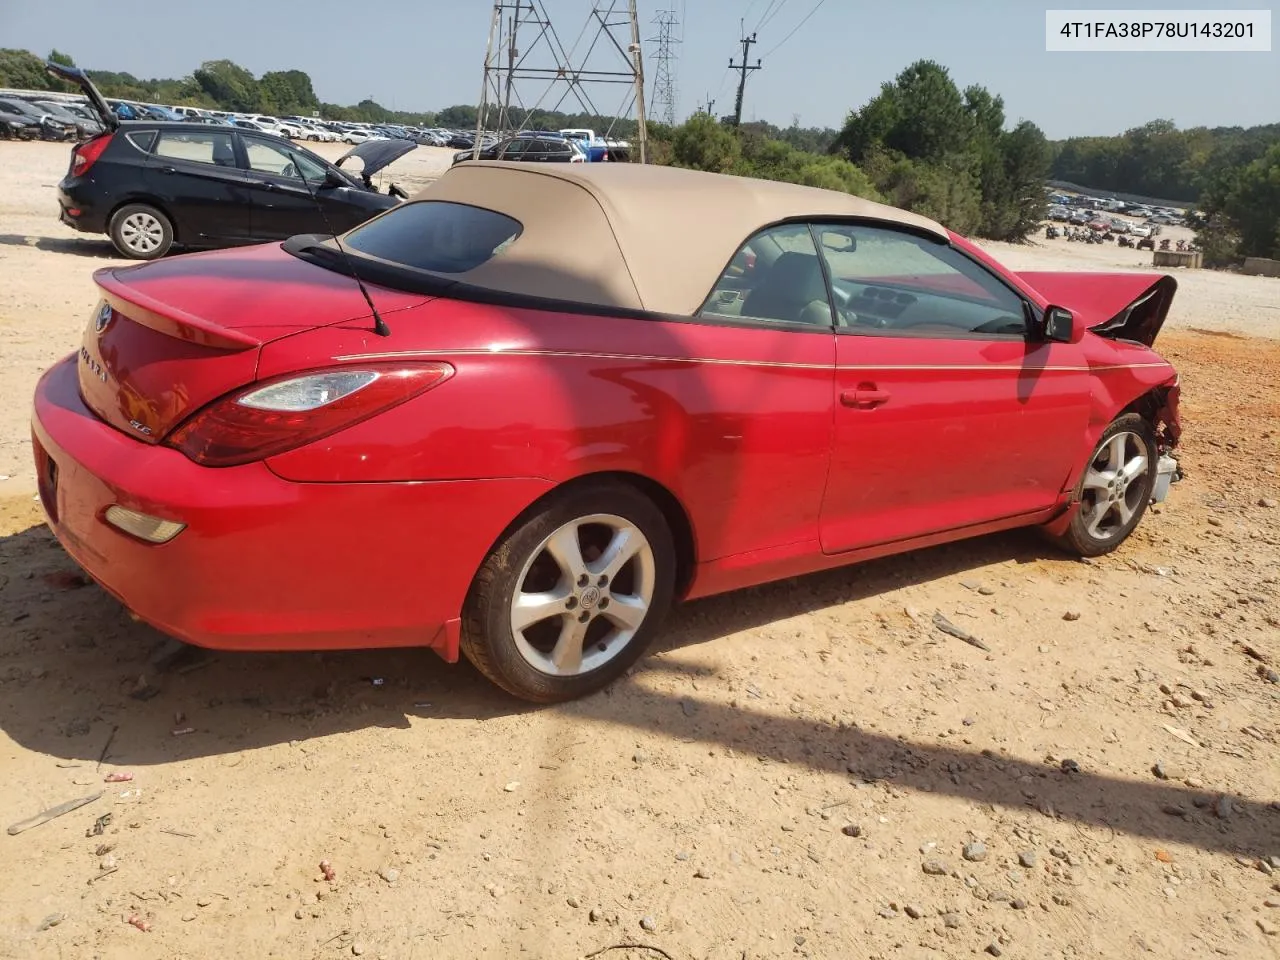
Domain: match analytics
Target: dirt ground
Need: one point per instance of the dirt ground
(804, 769)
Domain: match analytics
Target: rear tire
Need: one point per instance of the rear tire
(1114, 489)
(587, 578)
(140, 232)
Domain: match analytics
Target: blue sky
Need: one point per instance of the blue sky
(427, 54)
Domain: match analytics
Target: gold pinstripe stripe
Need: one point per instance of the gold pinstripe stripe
(468, 352)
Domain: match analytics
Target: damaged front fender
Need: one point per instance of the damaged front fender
(1154, 392)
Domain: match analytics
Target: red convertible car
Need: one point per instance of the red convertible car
(574, 395)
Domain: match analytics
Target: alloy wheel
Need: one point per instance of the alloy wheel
(1114, 485)
(582, 595)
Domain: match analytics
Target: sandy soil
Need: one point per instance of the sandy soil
(795, 771)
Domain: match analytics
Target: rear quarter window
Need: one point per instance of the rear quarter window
(142, 139)
(436, 235)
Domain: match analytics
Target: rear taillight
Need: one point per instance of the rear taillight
(270, 418)
(86, 154)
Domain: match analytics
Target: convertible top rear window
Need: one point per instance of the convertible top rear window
(434, 235)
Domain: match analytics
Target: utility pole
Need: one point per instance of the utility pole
(512, 52)
(637, 54)
(710, 105)
(744, 68)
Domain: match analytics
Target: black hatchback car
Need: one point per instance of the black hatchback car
(150, 184)
(529, 148)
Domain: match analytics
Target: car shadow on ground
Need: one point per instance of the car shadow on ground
(82, 247)
(82, 681)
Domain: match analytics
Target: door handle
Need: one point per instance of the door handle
(168, 170)
(866, 397)
(267, 185)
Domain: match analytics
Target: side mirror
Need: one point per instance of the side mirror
(334, 179)
(1062, 326)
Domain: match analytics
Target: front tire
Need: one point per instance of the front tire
(573, 595)
(1114, 489)
(140, 232)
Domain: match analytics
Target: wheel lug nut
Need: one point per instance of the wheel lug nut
(583, 580)
(571, 603)
(583, 617)
(604, 602)
(604, 581)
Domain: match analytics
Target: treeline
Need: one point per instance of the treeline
(1159, 160)
(215, 85)
(704, 143)
(920, 144)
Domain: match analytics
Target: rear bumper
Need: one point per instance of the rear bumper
(90, 211)
(265, 563)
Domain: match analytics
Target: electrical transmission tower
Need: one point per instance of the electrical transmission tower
(527, 68)
(665, 99)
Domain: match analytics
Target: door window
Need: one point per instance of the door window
(534, 150)
(266, 157)
(197, 147)
(893, 283)
(775, 276)
(515, 150)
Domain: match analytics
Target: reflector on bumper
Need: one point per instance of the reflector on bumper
(142, 526)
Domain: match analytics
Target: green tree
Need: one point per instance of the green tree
(287, 92)
(23, 70)
(229, 84)
(1243, 210)
(931, 148)
(704, 144)
(57, 56)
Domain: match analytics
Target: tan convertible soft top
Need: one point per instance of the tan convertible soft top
(635, 236)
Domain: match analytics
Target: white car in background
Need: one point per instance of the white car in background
(278, 127)
(319, 133)
(360, 136)
(1140, 230)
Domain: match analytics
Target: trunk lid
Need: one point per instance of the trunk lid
(81, 79)
(170, 336)
(1119, 306)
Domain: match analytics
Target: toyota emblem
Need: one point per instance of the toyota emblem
(103, 319)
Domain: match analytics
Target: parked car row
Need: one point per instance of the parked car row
(1167, 216)
(1102, 223)
(32, 115)
(31, 119)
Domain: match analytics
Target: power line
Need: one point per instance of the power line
(770, 14)
(796, 27)
(767, 8)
